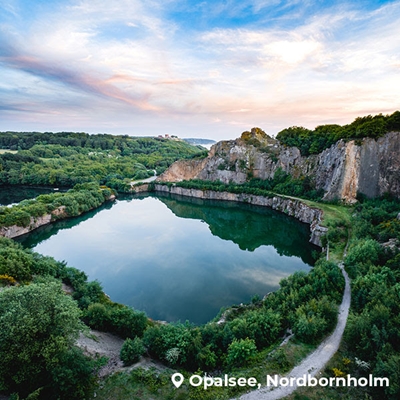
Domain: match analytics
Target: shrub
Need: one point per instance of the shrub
(7, 279)
(16, 263)
(241, 351)
(131, 351)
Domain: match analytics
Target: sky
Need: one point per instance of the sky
(207, 69)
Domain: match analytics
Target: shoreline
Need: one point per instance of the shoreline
(291, 207)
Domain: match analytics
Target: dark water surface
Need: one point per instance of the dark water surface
(178, 258)
(15, 194)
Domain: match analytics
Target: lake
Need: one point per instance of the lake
(14, 194)
(178, 258)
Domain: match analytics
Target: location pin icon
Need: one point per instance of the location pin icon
(177, 379)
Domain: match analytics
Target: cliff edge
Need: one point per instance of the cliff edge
(368, 166)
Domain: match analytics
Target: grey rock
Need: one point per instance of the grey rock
(370, 167)
(292, 207)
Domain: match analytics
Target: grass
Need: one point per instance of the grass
(335, 216)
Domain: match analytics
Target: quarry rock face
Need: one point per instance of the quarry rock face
(292, 207)
(368, 166)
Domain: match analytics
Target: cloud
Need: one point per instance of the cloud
(124, 63)
(82, 82)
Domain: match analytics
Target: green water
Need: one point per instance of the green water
(179, 258)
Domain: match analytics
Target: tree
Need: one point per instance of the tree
(38, 323)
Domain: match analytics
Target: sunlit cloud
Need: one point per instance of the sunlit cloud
(184, 66)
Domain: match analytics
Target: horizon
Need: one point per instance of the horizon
(207, 70)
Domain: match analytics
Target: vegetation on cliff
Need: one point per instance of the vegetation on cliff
(323, 136)
(281, 183)
(82, 198)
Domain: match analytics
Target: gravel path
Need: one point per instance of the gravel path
(316, 361)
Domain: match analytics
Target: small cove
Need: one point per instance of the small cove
(178, 258)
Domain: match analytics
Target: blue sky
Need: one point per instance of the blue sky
(195, 68)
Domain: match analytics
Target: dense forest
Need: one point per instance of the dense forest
(324, 136)
(66, 159)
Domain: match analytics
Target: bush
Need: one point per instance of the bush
(127, 322)
(15, 262)
(131, 351)
(241, 351)
(73, 378)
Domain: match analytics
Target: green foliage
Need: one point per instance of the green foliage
(160, 339)
(66, 159)
(38, 324)
(127, 322)
(315, 319)
(373, 329)
(241, 351)
(16, 263)
(132, 350)
(117, 318)
(73, 377)
(82, 198)
(282, 183)
(322, 137)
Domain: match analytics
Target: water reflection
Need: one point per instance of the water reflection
(14, 194)
(246, 225)
(157, 254)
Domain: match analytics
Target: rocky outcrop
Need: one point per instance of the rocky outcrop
(368, 166)
(35, 222)
(294, 208)
(14, 231)
(185, 169)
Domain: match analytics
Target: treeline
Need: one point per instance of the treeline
(373, 331)
(323, 136)
(282, 183)
(66, 159)
(81, 198)
(127, 145)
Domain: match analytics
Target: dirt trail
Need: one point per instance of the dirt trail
(103, 344)
(106, 344)
(315, 361)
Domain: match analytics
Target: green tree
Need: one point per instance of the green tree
(241, 351)
(38, 323)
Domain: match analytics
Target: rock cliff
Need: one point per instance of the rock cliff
(294, 208)
(368, 166)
